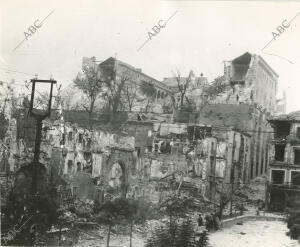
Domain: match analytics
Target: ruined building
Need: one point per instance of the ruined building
(192, 158)
(90, 164)
(252, 81)
(223, 142)
(248, 99)
(284, 162)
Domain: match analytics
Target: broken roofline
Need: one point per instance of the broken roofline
(260, 58)
(290, 118)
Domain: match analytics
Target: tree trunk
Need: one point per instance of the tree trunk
(172, 230)
(231, 199)
(131, 224)
(221, 211)
(59, 238)
(90, 112)
(108, 236)
(181, 100)
(90, 119)
(114, 110)
(111, 116)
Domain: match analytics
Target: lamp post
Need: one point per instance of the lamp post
(40, 108)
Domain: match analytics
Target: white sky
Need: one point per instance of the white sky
(199, 37)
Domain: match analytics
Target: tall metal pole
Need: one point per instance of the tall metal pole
(232, 172)
(39, 123)
(37, 146)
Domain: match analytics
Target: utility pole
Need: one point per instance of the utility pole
(39, 115)
(37, 147)
(232, 173)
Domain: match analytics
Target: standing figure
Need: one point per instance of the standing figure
(200, 220)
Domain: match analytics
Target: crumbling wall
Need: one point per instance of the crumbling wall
(79, 156)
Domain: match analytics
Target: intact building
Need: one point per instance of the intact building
(135, 77)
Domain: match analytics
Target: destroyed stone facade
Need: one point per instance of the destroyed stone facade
(252, 81)
(192, 156)
(244, 118)
(224, 142)
(85, 158)
(247, 101)
(284, 162)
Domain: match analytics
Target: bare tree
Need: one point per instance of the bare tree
(91, 85)
(183, 84)
(149, 91)
(130, 93)
(6, 95)
(216, 87)
(115, 85)
(6, 92)
(212, 90)
(66, 100)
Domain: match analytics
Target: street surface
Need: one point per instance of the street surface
(254, 234)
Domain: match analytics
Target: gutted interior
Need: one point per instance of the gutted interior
(282, 129)
(239, 68)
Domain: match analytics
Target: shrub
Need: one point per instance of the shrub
(293, 219)
(179, 234)
(295, 231)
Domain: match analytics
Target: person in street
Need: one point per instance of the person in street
(200, 220)
(208, 222)
(201, 227)
(216, 221)
(213, 221)
(257, 211)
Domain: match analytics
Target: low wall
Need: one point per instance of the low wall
(240, 219)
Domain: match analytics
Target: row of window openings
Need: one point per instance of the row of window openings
(161, 95)
(80, 139)
(79, 166)
(279, 154)
(278, 177)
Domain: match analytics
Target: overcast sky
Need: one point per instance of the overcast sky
(198, 37)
